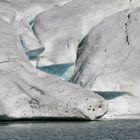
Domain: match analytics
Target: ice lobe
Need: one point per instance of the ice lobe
(27, 93)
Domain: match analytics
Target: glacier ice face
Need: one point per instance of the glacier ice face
(108, 59)
(27, 93)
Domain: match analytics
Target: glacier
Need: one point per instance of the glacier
(27, 93)
(93, 44)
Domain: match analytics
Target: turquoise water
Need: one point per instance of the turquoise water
(63, 70)
(97, 130)
(109, 95)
